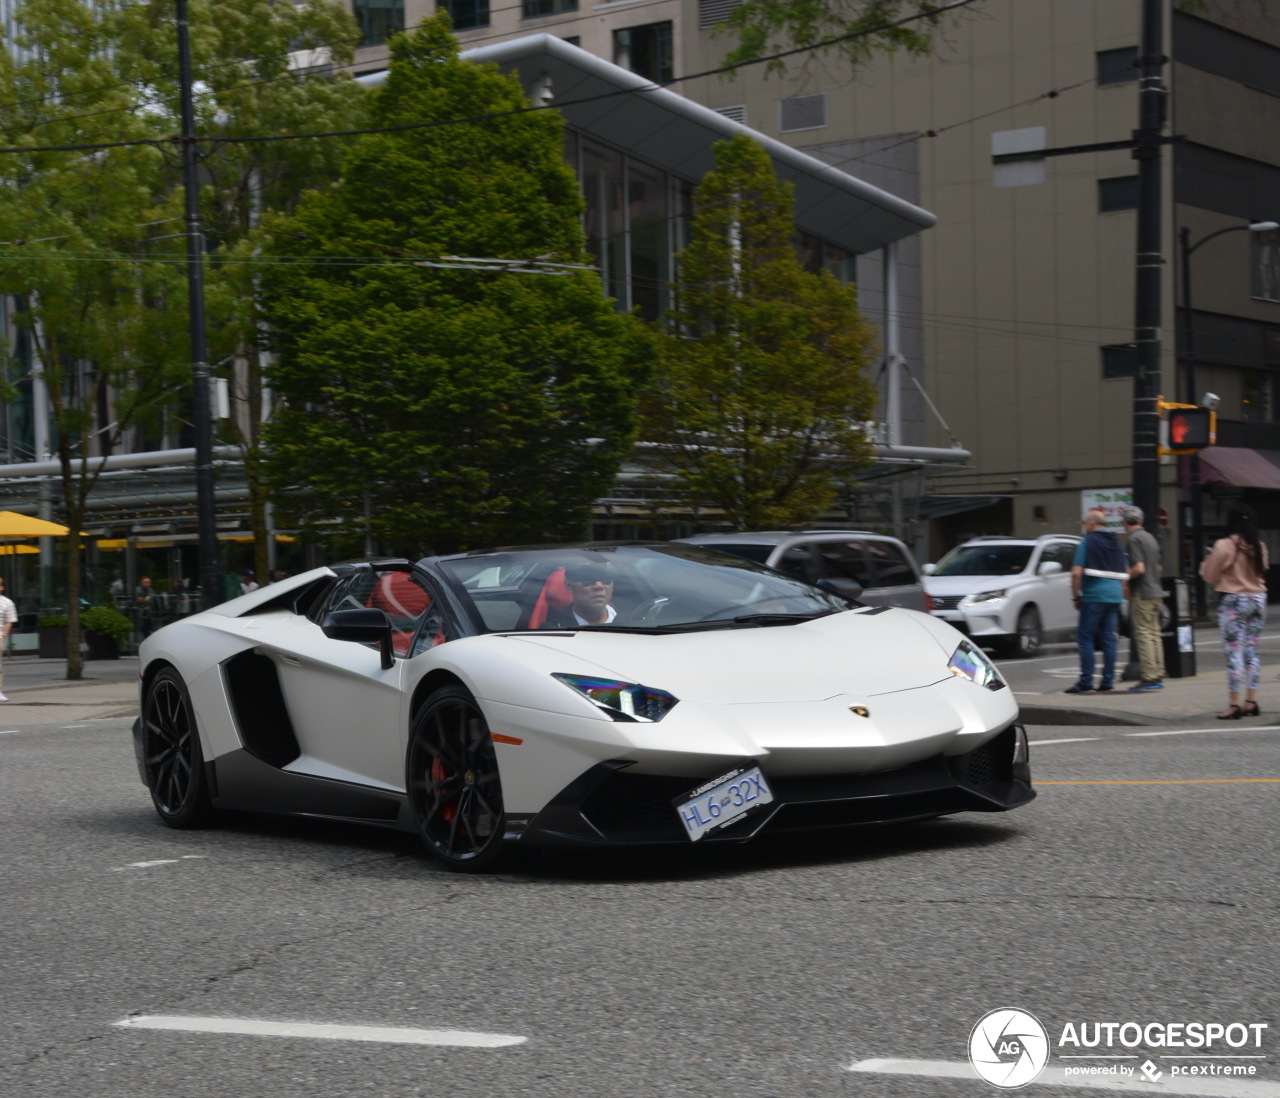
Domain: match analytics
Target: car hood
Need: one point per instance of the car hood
(860, 653)
(969, 585)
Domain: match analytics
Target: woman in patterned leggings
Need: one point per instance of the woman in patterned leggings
(1237, 568)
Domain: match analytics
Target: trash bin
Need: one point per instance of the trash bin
(1176, 632)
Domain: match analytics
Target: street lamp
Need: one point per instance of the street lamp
(1189, 374)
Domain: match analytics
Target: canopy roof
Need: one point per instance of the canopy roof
(610, 104)
(14, 525)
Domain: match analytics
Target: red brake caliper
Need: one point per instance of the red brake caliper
(439, 772)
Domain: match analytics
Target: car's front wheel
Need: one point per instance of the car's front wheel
(454, 787)
(173, 761)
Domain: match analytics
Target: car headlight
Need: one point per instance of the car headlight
(985, 596)
(968, 662)
(623, 701)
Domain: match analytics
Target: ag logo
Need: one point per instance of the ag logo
(1008, 1048)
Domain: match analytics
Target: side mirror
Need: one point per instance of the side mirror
(847, 589)
(364, 626)
(1049, 568)
(929, 569)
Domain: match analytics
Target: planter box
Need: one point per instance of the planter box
(101, 647)
(53, 642)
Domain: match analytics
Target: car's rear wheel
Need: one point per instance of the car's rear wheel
(1027, 640)
(454, 787)
(172, 757)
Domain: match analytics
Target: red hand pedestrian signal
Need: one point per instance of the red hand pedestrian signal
(1190, 428)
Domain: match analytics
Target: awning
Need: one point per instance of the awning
(667, 130)
(1237, 467)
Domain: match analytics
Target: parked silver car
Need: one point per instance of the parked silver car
(881, 566)
(1012, 594)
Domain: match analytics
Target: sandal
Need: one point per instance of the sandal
(1233, 713)
(1251, 709)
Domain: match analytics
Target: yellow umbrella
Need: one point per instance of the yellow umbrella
(10, 550)
(14, 525)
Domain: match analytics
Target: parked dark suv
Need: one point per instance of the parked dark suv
(881, 565)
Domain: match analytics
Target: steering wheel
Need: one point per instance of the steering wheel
(644, 611)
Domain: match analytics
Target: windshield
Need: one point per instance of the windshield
(639, 588)
(984, 560)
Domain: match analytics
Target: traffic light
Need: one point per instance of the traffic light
(1186, 428)
(1191, 428)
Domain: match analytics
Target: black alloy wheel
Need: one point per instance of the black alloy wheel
(171, 750)
(452, 777)
(1027, 642)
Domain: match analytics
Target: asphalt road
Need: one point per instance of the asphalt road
(1140, 887)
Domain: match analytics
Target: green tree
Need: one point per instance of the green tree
(856, 28)
(94, 251)
(442, 408)
(79, 252)
(759, 393)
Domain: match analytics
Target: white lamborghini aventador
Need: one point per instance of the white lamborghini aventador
(591, 695)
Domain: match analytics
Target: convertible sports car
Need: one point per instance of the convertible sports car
(594, 694)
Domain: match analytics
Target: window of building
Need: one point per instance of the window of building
(1117, 66)
(646, 51)
(1266, 265)
(648, 234)
(603, 219)
(1120, 193)
(378, 19)
(1271, 345)
(534, 8)
(466, 14)
(802, 112)
(573, 39)
(817, 255)
(738, 112)
(1119, 361)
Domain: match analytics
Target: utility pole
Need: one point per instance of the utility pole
(202, 412)
(1148, 140)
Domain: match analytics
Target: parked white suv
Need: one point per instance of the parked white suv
(882, 567)
(1009, 593)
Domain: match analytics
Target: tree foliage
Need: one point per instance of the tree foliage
(856, 28)
(759, 394)
(438, 408)
(92, 243)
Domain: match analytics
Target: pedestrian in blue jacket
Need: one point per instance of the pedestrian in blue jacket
(1098, 573)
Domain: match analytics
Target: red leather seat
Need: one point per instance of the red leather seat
(553, 598)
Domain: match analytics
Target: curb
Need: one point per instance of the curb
(1065, 715)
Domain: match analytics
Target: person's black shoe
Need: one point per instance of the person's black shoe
(1105, 689)
(1080, 688)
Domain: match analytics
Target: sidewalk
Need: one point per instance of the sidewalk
(1197, 699)
(39, 693)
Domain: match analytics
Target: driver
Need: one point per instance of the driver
(591, 587)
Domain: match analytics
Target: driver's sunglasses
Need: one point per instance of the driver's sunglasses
(591, 574)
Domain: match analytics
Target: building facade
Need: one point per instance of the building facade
(1017, 311)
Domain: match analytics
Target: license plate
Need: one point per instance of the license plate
(723, 800)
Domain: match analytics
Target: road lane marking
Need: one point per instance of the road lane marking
(1194, 731)
(148, 865)
(1076, 739)
(1056, 1077)
(1166, 781)
(255, 1027)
